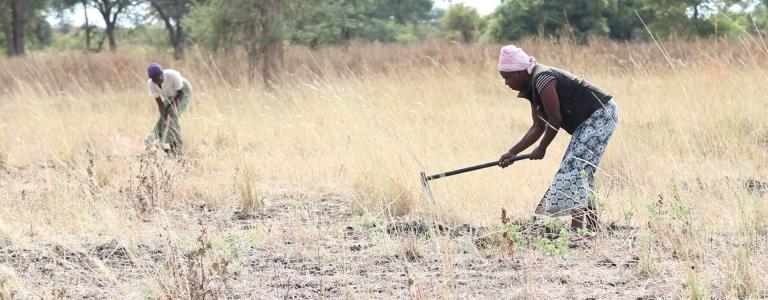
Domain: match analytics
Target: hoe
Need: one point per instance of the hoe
(425, 179)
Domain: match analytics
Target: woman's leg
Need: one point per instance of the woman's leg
(563, 194)
(570, 191)
(596, 133)
(173, 137)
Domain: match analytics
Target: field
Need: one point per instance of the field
(311, 189)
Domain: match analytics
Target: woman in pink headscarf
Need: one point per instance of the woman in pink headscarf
(561, 100)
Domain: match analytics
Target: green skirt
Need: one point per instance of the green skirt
(171, 136)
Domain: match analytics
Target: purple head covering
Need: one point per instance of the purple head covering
(154, 70)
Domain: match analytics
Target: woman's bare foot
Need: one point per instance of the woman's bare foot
(584, 216)
(577, 219)
(591, 219)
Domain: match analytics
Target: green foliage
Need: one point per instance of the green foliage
(401, 11)
(209, 23)
(620, 19)
(233, 244)
(224, 24)
(696, 18)
(316, 24)
(40, 32)
(513, 233)
(36, 30)
(337, 22)
(647, 266)
(367, 222)
(517, 19)
(554, 247)
(462, 19)
(625, 19)
(253, 237)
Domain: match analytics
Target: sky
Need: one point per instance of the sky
(484, 7)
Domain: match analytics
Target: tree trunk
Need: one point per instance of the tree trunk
(181, 37)
(18, 22)
(466, 35)
(178, 50)
(346, 37)
(253, 50)
(110, 30)
(7, 32)
(695, 12)
(101, 42)
(272, 54)
(272, 49)
(176, 31)
(346, 32)
(87, 26)
(172, 21)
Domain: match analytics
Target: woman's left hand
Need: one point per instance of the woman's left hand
(538, 153)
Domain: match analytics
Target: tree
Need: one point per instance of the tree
(690, 18)
(401, 11)
(15, 17)
(330, 22)
(171, 12)
(463, 19)
(625, 19)
(515, 19)
(272, 40)
(252, 24)
(110, 11)
(385, 20)
(63, 5)
(321, 23)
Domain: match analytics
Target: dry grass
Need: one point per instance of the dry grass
(362, 124)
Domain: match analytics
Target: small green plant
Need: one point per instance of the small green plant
(653, 210)
(742, 278)
(430, 232)
(555, 225)
(253, 237)
(233, 244)
(680, 212)
(628, 215)
(556, 247)
(697, 291)
(366, 222)
(646, 265)
(764, 230)
(513, 234)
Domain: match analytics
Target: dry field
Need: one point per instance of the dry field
(312, 190)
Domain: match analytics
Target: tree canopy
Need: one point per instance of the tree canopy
(262, 28)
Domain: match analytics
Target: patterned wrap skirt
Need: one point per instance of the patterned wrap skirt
(574, 182)
(172, 135)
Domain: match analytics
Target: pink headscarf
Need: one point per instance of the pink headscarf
(512, 59)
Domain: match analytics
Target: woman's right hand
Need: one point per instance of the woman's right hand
(506, 159)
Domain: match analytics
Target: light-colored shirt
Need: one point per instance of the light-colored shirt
(172, 84)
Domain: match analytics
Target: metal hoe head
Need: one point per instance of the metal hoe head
(426, 189)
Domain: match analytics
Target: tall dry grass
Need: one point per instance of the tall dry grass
(365, 121)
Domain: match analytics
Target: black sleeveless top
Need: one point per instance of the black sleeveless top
(578, 99)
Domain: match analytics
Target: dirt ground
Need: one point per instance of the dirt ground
(315, 246)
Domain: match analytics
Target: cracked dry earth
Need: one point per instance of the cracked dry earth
(317, 247)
